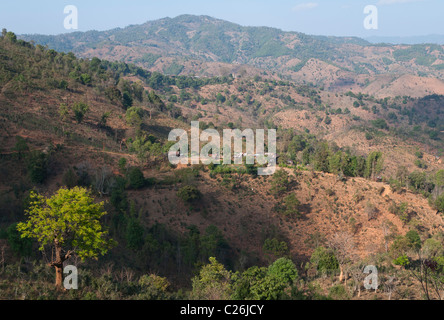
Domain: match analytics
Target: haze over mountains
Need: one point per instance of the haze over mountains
(432, 38)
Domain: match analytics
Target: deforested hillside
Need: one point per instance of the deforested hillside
(354, 170)
(206, 46)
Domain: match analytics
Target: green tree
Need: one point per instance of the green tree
(220, 98)
(275, 248)
(37, 163)
(245, 283)
(399, 248)
(297, 144)
(63, 112)
(127, 100)
(85, 79)
(291, 204)
(113, 94)
(212, 242)
(284, 269)
(80, 109)
(119, 197)
(403, 245)
(143, 146)
(402, 260)
(418, 180)
(324, 260)
(122, 165)
(213, 282)
(270, 283)
(374, 165)
(153, 287)
(136, 179)
(11, 37)
(69, 221)
(434, 135)
(189, 194)
(327, 120)
(134, 234)
(380, 124)
(134, 117)
(279, 182)
(104, 118)
(414, 240)
(321, 157)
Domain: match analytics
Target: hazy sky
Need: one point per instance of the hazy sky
(325, 17)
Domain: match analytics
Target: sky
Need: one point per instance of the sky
(319, 17)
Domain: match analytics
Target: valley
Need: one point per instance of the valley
(360, 131)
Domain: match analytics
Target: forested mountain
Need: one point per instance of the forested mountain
(205, 46)
(203, 37)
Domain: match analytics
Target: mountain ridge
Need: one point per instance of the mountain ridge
(205, 46)
(349, 163)
(408, 40)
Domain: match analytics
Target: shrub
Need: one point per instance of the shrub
(134, 116)
(189, 194)
(153, 287)
(419, 154)
(380, 124)
(338, 292)
(80, 110)
(400, 210)
(122, 164)
(136, 179)
(402, 261)
(327, 120)
(212, 283)
(275, 248)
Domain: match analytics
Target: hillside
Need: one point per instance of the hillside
(350, 163)
(206, 46)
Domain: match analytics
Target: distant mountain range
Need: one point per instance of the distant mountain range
(206, 46)
(434, 38)
(202, 36)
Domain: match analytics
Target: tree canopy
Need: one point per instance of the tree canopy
(71, 218)
(69, 221)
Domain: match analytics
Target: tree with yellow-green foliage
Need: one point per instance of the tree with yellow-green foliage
(69, 222)
(213, 282)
